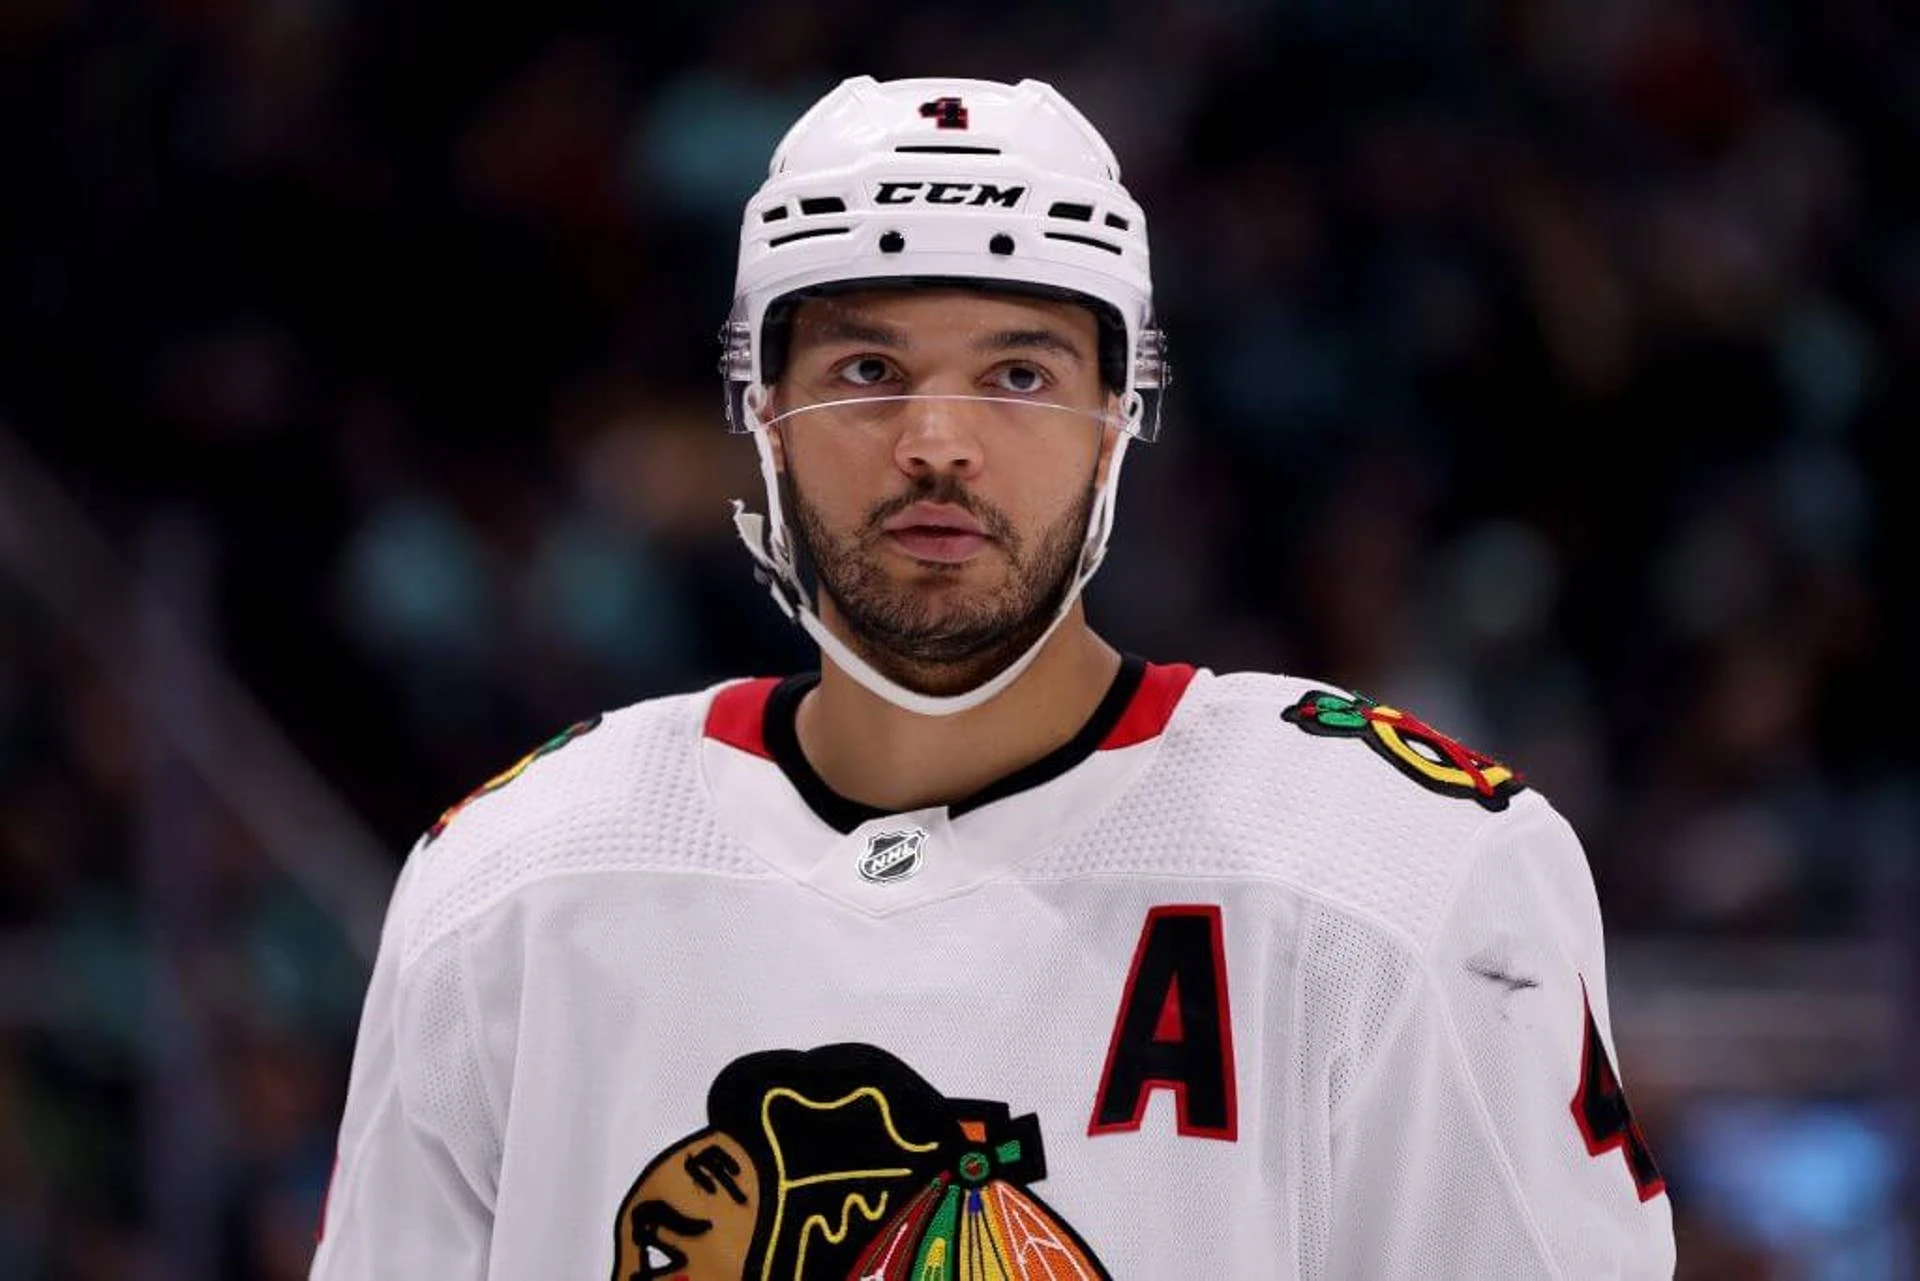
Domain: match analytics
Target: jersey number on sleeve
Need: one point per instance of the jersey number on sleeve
(1600, 1108)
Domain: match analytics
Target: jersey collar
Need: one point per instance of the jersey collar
(758, 716)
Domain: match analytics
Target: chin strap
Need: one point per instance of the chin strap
(768, 541)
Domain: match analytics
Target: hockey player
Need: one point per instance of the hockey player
(987, 951)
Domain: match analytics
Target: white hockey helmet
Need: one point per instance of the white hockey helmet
(944, 180)
(939, 181)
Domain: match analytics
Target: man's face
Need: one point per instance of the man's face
(945, 532)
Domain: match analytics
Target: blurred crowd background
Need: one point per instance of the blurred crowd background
(1540, 366)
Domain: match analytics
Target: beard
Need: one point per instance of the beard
(936, 641)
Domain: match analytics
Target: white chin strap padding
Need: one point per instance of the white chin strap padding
(770, 544)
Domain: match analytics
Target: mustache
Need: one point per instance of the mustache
(947, 489)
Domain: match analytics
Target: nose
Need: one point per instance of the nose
(937, 435)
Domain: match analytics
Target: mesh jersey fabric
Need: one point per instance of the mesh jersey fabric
(1214, 993)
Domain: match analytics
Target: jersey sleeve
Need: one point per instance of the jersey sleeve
(1492, 1137)
(412, 1188)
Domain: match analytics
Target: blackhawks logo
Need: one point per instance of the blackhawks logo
(510, 773)
(841, 1162)
(1416, 749)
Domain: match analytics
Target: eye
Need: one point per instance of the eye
(1025, 379)
(866, 371)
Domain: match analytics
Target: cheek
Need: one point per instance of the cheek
(1044, 476)
(824, 457)
(823, 476)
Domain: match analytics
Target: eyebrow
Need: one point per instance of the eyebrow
(1031, 339)
(844, 328)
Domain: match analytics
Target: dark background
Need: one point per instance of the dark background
(1541, 369)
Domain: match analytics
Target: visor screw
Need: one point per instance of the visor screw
(892, 242)
(1001, 244)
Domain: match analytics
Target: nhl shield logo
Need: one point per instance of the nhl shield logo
(892, 856)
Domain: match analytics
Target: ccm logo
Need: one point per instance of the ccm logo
(947, 193)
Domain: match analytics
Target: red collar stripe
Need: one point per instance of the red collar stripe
(1152, 706)
(738, 715)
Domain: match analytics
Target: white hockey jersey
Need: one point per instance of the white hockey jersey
(1254, 979)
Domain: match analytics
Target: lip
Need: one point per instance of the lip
(942, 518)
(941, 546)
(937, 532)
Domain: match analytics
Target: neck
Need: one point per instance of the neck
(870, 751)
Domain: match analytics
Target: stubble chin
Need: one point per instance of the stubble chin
(930, 632)
(944, 652)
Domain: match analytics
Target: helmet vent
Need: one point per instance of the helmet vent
(809, 233)
(945, 149)
(1116, 221)
(1096, 242)
(822, 205)
(774, 214)
(1067, 209)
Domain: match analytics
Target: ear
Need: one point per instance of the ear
(775, 432)
(1109, 442)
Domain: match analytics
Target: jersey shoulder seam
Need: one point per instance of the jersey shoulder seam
(623, 727)
(1483, 1119)
(1528, 811)
(1418, 953)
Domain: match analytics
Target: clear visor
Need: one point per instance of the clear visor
(981, 413)
(871, 358)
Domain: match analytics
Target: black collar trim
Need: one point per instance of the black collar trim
(844, 815)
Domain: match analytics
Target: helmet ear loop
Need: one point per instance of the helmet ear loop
(1105, 500)
(768, 539)
(779, 538)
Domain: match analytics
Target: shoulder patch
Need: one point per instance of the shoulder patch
(1416, 749)
(510, 773)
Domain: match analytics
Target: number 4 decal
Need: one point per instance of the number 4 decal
(946, 113)
(1600, 1109)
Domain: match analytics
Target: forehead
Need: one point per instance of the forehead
(930, 316)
